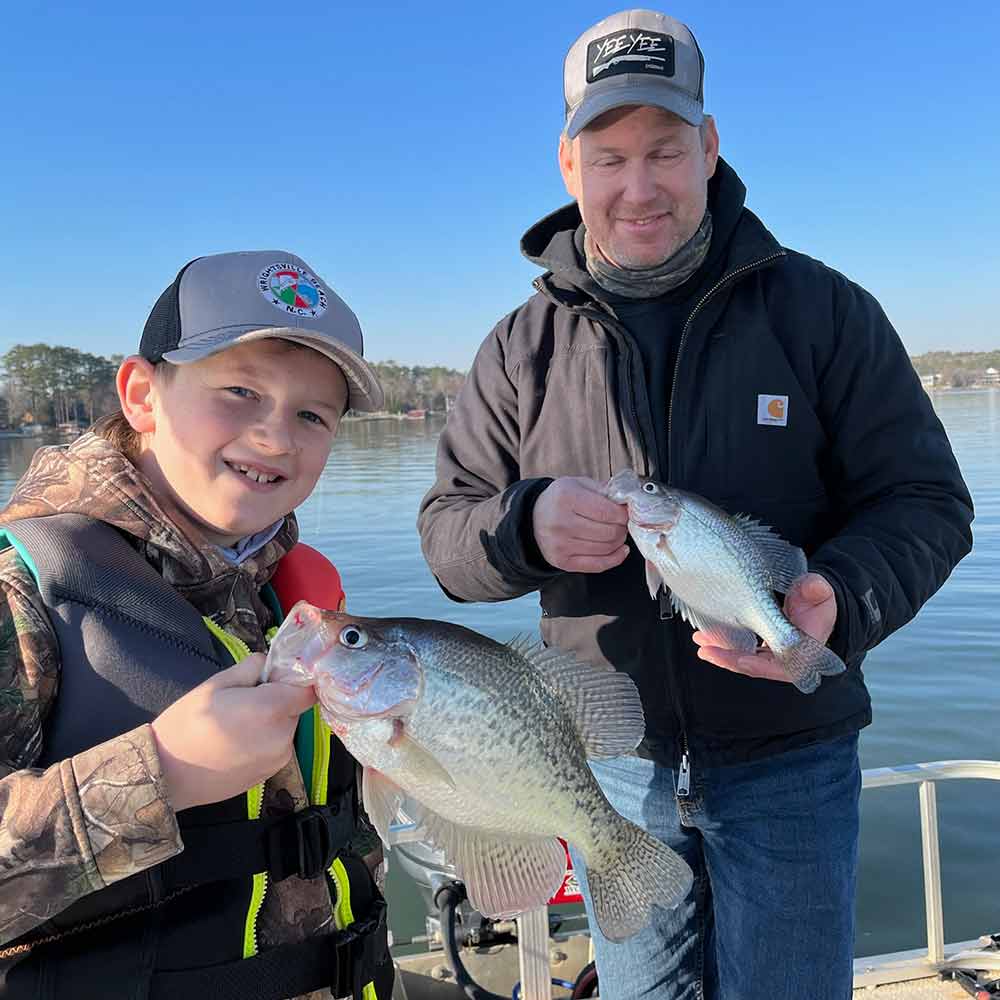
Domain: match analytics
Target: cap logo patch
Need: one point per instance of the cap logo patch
(292, 289)
(630, 51)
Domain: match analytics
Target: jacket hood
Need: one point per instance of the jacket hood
(94, 478)
(736, 234)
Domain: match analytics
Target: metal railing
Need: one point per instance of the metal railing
(901, 966)
(871, 971)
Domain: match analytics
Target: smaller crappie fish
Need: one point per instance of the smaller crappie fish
(488, 743)
(721, 572)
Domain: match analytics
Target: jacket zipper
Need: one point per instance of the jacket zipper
(684, 770)
(684, 774)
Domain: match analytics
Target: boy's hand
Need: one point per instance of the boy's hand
(228, 734)
(577, 528)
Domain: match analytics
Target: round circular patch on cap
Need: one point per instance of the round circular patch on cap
(292, 289)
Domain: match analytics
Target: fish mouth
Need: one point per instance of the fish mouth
(664, 526)
(621, 484)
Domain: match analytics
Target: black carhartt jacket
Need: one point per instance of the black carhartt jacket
(858, 471)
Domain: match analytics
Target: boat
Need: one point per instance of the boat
(545, 953)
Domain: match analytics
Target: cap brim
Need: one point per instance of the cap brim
(657, 95)
(364, 391)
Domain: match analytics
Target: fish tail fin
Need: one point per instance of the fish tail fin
(629, 872)
(809, 661)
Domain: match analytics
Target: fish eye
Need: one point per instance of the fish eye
(353, 637)
(649, 487)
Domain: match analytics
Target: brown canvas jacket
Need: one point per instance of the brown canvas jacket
(104, 815)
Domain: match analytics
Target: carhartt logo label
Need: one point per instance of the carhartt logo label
(772, 410)
(630, 51)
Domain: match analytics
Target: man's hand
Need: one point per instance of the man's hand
(227, 734)
(810, 605)
(577, 528)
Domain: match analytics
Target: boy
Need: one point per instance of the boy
(158, 835)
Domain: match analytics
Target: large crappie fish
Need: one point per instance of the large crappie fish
(721, 572)
(489, 745)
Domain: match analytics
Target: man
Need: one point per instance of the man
(671, 333)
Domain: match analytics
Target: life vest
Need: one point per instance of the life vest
(130, 645)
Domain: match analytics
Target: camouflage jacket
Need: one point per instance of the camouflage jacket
(61, 834)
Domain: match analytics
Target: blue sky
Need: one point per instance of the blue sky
(402, 149)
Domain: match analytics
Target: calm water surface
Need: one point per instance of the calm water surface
(934, 683)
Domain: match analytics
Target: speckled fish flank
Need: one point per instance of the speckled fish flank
(488, 745)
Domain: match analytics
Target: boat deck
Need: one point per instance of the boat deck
(931, 989)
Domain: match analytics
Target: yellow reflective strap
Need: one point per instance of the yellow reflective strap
(321, 758)
(271, 633)
(343, 916)
(238, 649)
(368, 993)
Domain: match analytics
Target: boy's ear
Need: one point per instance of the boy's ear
(134, 382)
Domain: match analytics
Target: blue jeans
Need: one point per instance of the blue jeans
(773, 845)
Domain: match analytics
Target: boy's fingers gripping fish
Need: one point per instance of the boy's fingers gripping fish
(489, 743)
(721, 572)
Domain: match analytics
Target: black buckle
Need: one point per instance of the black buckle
(303, 844)
(370, 956)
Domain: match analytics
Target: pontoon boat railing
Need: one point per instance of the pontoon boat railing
(871, 971)
(917, 964)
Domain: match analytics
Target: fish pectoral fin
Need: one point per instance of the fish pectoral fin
(382, 799)
(786, 562)
(603, 704)
(735, 637)
(421, 760)
(653, 579)
(667, 553)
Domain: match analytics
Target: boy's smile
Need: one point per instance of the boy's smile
(239, 439)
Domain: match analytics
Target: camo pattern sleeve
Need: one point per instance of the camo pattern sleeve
(82, 823)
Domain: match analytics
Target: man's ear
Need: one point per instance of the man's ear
(569, 167)
(711, 145)
(136, 391)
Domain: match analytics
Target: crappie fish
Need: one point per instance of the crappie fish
(489, 744)
(721, 572)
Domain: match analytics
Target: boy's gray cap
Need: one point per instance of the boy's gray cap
(230, 298)
(634, 57)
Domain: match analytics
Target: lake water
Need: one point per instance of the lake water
(935, 684)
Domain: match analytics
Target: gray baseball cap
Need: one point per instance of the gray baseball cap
(230, 298)
(634, 57)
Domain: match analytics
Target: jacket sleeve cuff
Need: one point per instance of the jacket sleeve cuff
(517, 549)
(843, 639)
(124, 813)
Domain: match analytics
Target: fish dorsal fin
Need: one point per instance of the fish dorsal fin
(503, 874)
(728, 636)
(382, 799)
(603, 703)
(786, 562)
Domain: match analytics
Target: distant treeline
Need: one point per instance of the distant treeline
(956, 369)
(50, 385)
